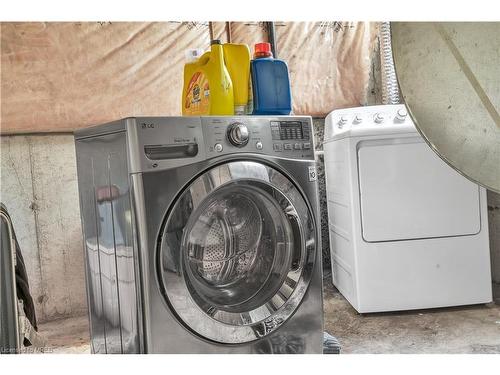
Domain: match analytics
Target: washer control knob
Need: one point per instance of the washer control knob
(259, 145)
(401, 115)
(378, 118)
(238, 134)
(357, 119)
(218, 147)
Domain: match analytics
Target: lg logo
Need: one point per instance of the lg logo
(145, 125)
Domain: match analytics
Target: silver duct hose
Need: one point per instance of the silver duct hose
(390, 88)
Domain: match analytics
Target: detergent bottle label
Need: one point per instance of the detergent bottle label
(197, 100)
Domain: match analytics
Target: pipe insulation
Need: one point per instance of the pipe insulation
(390, 87)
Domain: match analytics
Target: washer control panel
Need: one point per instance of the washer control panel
(290, 135)
(285, 136)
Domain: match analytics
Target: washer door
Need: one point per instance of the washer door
(237, 252)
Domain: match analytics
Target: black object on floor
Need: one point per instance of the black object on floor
(21, 276)
(330, 344)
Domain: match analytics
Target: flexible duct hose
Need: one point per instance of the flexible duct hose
(390, 88)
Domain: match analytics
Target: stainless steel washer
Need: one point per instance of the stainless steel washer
(201, 235)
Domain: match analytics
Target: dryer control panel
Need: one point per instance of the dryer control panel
(368, 120)
(284, 136)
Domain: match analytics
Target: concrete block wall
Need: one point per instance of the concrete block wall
(39, 188)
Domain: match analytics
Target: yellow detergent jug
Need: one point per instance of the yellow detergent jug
(237, 60)
(208, 89)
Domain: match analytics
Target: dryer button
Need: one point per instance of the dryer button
(218, 147)
(259, 146)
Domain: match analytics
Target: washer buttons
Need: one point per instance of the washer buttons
(259, 146)
(218, 147)
(277, 147)
(296, 146)
(288, 146)
(307, 146)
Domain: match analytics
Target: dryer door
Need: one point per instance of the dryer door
(408, 193)
(237, 251)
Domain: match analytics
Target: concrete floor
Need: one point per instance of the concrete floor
(69, 335)
(468, 329)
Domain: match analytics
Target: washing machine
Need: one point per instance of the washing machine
(406, 230)
(201, 235)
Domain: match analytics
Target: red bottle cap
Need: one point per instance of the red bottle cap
(263, 50)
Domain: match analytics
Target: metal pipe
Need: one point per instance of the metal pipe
(228, 32)
(211, 30)
(271, 34)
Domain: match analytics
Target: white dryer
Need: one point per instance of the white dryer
(406, 230)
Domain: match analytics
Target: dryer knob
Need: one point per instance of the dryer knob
(401, 115)
(342, 121)
(238, 134)
(378, 118)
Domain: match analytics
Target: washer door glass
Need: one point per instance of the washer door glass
(237, 252)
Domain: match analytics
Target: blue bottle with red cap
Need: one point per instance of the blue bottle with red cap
(270, 83)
